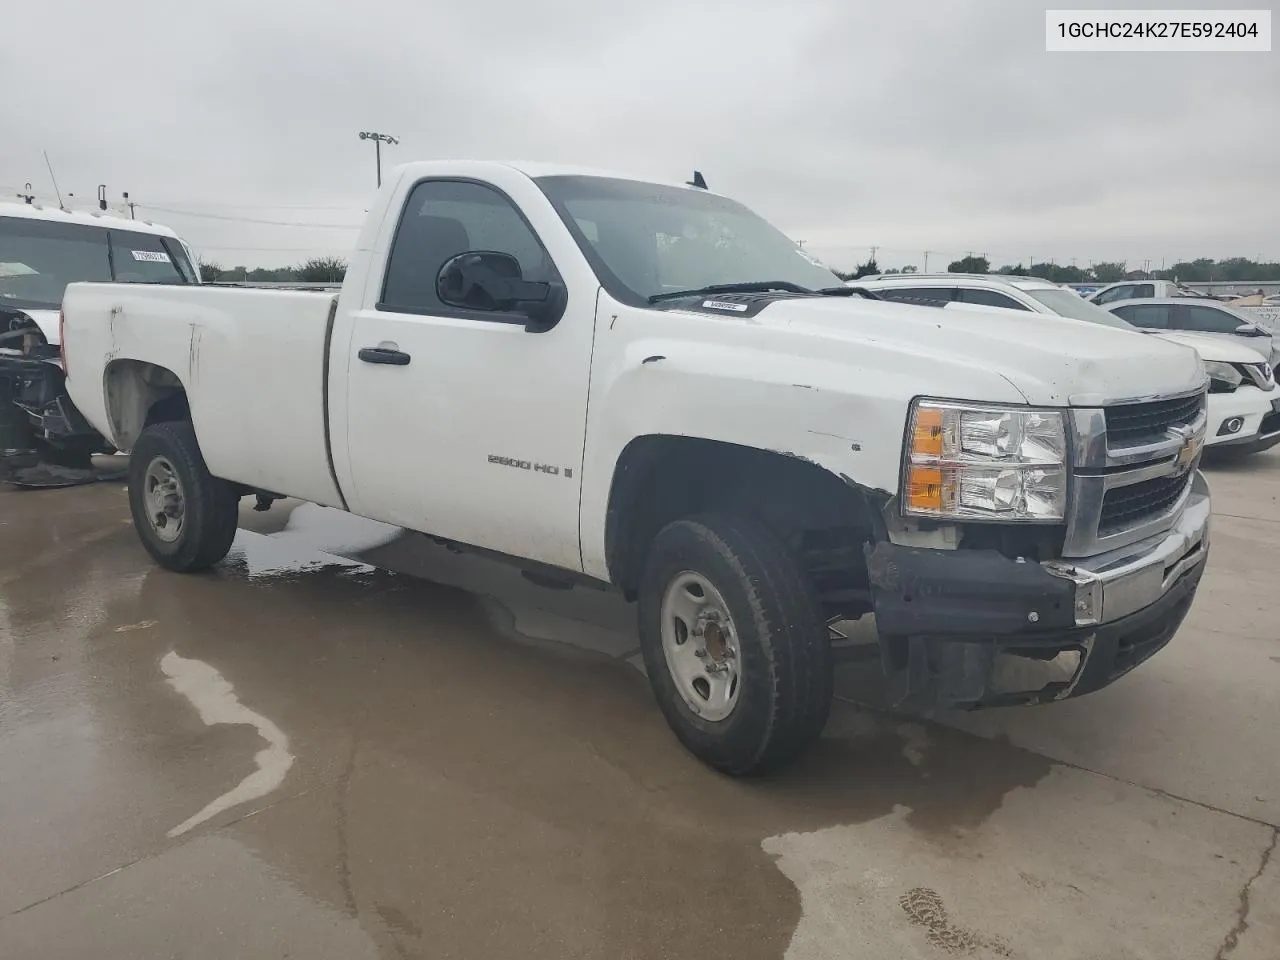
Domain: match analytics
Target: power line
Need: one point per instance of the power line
(268, 223)
(257, 206)
(205, 246)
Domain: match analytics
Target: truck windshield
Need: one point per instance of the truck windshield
(645, 239)
(38, 258)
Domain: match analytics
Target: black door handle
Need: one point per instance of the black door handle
(397, 358)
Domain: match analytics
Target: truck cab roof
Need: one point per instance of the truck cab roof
(88, 218)
(535, 170)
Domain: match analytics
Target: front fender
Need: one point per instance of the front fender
(778, 404)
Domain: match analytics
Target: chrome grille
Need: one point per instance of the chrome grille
(1134, 424)
(1123, 507)
(1133, 466)
(1260, 374)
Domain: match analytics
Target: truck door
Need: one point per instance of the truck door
(460, 423)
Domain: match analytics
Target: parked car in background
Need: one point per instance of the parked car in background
(1243, 404)
(44, 441)
(1143, 290)
(1211, 318)
(988, 290)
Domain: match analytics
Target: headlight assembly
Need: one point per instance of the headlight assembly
(975, 463)
(1223, 377)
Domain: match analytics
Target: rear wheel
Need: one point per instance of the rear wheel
(735, 643)
(185, 517)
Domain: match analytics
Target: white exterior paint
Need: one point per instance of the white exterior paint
(828, 380)
(47, 321)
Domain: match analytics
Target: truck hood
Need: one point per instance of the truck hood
(47, 321)
(1211, 348)
(1050, 360)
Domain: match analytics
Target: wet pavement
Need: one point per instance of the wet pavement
(348, 743)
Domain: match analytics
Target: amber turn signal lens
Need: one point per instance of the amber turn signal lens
(925, 489)
(926, 439)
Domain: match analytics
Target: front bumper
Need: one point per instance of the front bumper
(948, 617)
(36, 387)
(1259, 413)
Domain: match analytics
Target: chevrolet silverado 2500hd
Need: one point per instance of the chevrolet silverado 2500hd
(648, 386)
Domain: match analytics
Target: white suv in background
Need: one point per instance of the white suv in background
(986, 290)
(1208, 317)
(1244, 404)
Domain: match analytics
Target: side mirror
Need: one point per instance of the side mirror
(1251, 330)
(486, 280)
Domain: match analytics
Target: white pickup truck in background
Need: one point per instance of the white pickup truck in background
(647, 386)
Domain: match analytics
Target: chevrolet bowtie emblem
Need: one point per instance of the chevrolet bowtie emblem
(1190, 450)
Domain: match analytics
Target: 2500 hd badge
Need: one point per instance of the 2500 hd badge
(530, 465)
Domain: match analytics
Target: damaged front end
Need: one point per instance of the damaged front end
(44, 439)
(975, 628)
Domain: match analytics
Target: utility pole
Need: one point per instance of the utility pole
(800, 244)
(378, 140)
(130, 204)
(926, 261)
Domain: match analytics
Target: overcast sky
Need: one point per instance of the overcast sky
(942, 126)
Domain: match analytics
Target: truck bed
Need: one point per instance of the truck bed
(253, 364)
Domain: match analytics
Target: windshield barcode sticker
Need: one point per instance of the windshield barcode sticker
(151, 256)
(723, 305)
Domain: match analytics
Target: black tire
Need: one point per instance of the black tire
(786, 664)
(210, 506)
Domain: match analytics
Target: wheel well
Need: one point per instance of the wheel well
(140, 394)
(823, 517)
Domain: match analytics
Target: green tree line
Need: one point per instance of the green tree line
(315, 270)
(1232, 270)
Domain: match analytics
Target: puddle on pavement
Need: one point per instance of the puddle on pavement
(460, 794)
(216, 702)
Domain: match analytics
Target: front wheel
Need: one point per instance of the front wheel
(735, 643)
(185, 517)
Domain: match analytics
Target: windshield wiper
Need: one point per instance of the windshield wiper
(754, 286)
(849, 292)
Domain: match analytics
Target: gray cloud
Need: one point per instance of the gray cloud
(908, 126)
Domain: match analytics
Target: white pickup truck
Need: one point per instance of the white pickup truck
(647, 386)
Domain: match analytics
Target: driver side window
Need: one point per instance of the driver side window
(1149, 316)
(445, 218)
(1206, 320)
(1116, 293)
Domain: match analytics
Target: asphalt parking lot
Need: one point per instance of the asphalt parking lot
(348, 743)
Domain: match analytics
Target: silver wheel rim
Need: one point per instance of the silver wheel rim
(162, 495)
(701, 646)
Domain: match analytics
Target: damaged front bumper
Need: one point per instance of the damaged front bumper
(35, 388)
(44, 439)
(955, 619)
